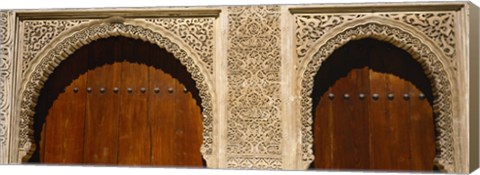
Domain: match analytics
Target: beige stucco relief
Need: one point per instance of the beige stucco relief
(6, 71)
(253, 71)
(259, 59)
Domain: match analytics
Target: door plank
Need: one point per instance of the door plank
(101, 134)
(422, 136)
(397, 108)
(134, 133)
(323, 120)
(162, 112)
(74, 117)
(380, 158)
(54, 132)
(188, 134)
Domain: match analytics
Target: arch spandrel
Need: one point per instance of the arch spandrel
(65, 44)
(411, 40)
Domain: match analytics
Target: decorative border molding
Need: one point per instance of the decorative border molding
(242, 162)
(66, 43)
(6, 69)
(401, 36)
(254, 98)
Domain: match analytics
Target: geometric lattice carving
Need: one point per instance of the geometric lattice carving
(38, 34)
(196, 32)
(253, 73)
(77, 39)
(430, 62)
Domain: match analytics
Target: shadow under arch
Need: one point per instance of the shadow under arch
(360, 60)
(356, 55)
(117, 49)
(64, 45)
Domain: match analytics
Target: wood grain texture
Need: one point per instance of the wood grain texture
(101, 134)
(162, 114)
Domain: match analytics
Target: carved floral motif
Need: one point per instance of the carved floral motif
(38, 34)
(253, 72)
(439, 26)
(69, 44)
(5, 81)
(310, 28)
(196, 32)
(254, 163)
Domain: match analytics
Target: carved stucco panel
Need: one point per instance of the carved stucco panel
(431, 63)
(438, 26)
(311, 27)
(198, 33)
(254, 163)
(253, 74)
(38, 33)
(6, 69)
(68, 43)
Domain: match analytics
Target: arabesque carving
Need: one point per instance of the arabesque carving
(79, 38)
(254, 163)
(310, 28)
(253, 72)
(196, 32)
(430, 62)
(37, 34)
(439, 26)
(6, 54)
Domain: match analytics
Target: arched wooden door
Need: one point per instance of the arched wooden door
(373, 110)
(119, 101)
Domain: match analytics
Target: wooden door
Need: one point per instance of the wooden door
(119, 101)
(372, 110)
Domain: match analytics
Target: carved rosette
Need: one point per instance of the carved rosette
(82, 37)
(37, 34)
(432, 66)
(196, 32)
(6, 54)
(253, 72)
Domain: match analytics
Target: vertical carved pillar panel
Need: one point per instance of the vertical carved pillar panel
(253, 72)
(6, 69)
